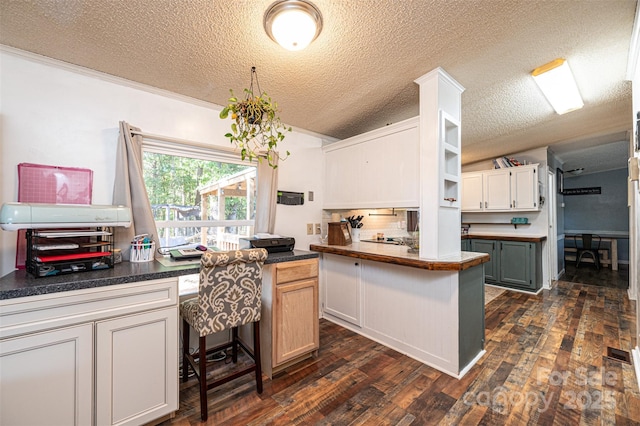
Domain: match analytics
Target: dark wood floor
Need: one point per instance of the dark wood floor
(545, 363)
(587, 273)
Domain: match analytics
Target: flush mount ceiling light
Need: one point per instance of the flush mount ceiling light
(556, 82)
(293, 24)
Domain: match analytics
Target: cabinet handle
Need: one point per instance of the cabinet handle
(514, 204)
(485, 205)
(480, 204)
(451, 199)
(356, 264)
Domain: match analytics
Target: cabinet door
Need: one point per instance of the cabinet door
(342, 288)
(295, 320)
(47, 378)
(489, 247)
(390, 176)
(472, 192)
(137, 367)
(515, 264)
(343, 168)
(524, 188)
(497, 190)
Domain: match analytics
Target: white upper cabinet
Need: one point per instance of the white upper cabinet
(512, 189)
(524, 188)
(497, 192)
(472, 192)
(377, 169)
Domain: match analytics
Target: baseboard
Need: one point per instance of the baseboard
(635, 354)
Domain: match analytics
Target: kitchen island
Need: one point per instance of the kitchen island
(430, 310)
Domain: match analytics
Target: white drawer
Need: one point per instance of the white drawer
(35, 313)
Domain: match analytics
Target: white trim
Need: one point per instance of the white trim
(34, 57)
(206, 223)
(634, 45)
(635, 354)
(383, 131)
(78, 69)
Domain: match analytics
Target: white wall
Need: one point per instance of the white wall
(56, 114)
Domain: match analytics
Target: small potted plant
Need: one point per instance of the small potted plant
(256, 129)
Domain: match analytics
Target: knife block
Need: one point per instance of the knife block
(339, 234)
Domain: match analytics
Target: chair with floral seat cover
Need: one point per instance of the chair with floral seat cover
(229, 295)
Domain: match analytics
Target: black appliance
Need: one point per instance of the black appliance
(272, 245)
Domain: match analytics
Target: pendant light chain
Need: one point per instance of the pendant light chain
(254, 75)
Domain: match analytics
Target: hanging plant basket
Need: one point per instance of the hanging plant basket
(256, 129)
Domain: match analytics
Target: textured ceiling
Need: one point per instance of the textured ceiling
(358, 75)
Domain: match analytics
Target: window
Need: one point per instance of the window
(198, 198)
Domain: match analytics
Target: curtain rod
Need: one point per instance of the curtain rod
(184, 142)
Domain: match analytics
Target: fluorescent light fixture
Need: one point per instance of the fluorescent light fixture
(293, 24)
(557, 83)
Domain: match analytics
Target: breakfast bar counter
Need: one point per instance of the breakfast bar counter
(398, 255)
(429, 309)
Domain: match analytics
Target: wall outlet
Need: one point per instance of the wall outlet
(309, 228)
(318, 229)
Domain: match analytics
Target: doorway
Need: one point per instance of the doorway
(552, 236)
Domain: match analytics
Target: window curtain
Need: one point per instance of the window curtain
(129, 190)
(266, 198)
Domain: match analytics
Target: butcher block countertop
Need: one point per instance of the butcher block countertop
(398, 255)
(506, 237)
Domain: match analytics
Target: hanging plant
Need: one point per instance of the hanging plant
(256, 129)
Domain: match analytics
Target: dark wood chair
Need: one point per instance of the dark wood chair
(587, 244)
(229, 295)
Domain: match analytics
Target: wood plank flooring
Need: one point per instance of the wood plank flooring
(545, 364)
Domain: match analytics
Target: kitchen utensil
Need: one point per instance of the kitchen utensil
(413, 243)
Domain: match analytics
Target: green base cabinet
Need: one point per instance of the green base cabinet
(465, 245)
(491, 271)
(514, 264)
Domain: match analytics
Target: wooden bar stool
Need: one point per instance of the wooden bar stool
(229, 295)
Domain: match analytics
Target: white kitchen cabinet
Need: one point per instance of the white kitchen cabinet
(120, 340)
(525, 191)
(133, 383)
(501, 190)
(497, 190)
(47, 378)
(436, 317)
(472, 192)
(377, 169)
(342, 288)
(342, 177)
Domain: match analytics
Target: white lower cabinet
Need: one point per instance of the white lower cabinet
(133, 384)
(47, 378)
(436, 317)
(342, 288)
(103, 356)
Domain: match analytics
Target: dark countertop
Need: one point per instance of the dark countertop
(398, 255)
(22, 284)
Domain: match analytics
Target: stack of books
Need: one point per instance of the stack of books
(505, 162)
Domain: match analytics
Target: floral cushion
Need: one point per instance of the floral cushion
(229, 293)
